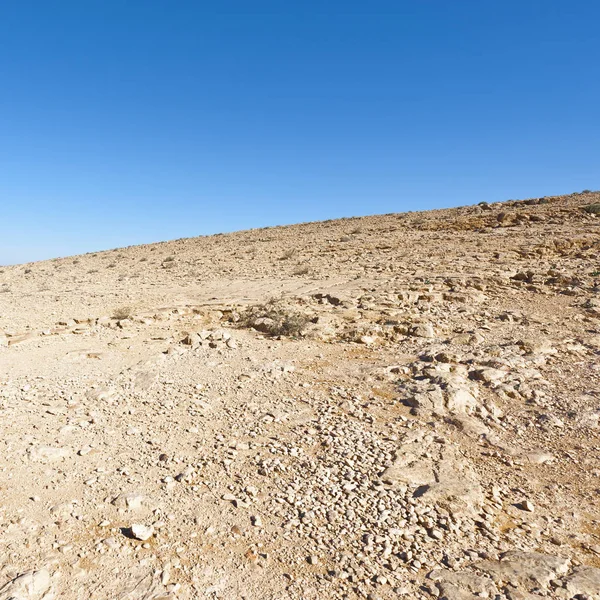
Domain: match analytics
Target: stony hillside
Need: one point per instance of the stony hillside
(397, 406)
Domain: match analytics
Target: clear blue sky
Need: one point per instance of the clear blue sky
(130, 121)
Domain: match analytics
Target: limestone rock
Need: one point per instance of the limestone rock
(424, 330)
(131, 501)
(142, 532)
(462, 586)
(584, 581)
(528, 569)
(33, 585)
(48, 454)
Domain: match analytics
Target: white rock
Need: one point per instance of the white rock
(424, 330)
(48, 453)
(131, 501)
(32, 585)
(527, 505)
(142, 532)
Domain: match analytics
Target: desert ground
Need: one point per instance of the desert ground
(396, 406)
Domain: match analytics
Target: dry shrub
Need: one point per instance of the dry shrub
(124, 312)
(289, 254)
(274, 318)
(593, 209)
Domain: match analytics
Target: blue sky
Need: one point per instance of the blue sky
(131, 121)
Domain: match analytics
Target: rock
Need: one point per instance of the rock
(527, 506)
(462, 586)
(142, 532)
(430, 401)
(528, 569)
(438, 473)
(62, 511)
(539, 457)
(460, 401)
(536, 346)
(488, 375)
(256, 521)
(424, 330)
(457, 495)
(131, 501)
(190, 339)
(584, 581)
(48, 453)
(33, 585)
(453, 400)
(264, 324)
(469, 425)
(100, 395)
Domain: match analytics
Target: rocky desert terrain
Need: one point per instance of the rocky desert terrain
(397, 406)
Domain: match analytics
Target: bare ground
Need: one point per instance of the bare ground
(392, 406)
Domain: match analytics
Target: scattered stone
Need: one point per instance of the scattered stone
(142, 532)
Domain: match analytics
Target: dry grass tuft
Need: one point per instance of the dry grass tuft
(124, 312)
(289, 254)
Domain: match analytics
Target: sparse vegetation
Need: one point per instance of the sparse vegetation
(289, 254)
(124, 312)
(593, 209)
(275, 318)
